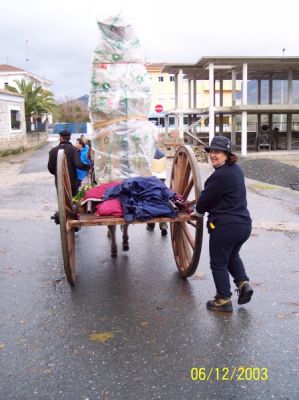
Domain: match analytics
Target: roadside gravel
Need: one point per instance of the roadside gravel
(270, 171)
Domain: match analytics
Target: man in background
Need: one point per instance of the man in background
(72, 157)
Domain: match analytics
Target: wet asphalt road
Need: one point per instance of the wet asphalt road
(132, 328)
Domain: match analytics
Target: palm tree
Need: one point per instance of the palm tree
(37, 100)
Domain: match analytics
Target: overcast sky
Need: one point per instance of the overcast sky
(58, 36)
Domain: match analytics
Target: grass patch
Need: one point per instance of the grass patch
(9, 152)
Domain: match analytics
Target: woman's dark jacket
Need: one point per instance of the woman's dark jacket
(224, 196)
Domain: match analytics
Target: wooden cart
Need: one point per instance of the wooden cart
(186, 231)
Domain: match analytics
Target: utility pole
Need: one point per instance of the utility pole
(26, 53)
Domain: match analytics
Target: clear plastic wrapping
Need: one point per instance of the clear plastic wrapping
(118, 90)
(124, 150)
(118, 42)
(123, 139)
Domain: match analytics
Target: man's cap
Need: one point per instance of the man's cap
(65, 133)
(221, 143)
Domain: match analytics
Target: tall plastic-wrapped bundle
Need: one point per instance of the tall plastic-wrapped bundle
(123, 138)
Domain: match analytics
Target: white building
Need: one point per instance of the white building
(12, 121)
(9, 74)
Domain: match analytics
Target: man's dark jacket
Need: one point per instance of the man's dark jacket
(73, 161)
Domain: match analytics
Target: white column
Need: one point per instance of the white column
(289, 131)
(289, 116)
(290, 86)
(259, 91)
(244, 113)
(259, 101)
(233, 128)
(221, 104)
(211, 105)
(270, 101)
(189, 94)
(166, 123)
(181, 103)
(234, 79)
(176, 101)
(194, 93)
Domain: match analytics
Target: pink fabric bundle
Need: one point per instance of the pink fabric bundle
(111, 207)
(98, 192)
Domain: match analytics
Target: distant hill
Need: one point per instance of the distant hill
(83, 99)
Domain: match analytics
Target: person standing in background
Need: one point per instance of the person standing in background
(72, 157)
(159, 170)
(84, 152)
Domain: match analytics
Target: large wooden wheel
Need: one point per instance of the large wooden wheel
(186, 236)
(65, 208)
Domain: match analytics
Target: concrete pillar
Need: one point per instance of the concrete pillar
(176, 101)
(181, 103)
(233, 128)
(194, 93)
(270, 95)
(234, 79)
(290, 86)
(211, 105)
(289, 131)
(259, 101)
(244, 113)
(259, 91)
(289, 116)
(166, 123)
(189, 94)
(221, 104)
(270, 100)
(190, 116)
(176, 90)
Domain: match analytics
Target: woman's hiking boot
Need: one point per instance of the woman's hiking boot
(245, 292)
(219, 304)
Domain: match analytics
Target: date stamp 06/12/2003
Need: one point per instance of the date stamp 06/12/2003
(229, 374)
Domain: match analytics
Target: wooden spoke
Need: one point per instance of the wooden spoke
(188, 235)
(188, 189)
(186, 243)
(68, 195)
(185, 174)
(192, 224)
(70, 211)
(186, 255)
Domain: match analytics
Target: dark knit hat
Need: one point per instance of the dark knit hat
(221, 143)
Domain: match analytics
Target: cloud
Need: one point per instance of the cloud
(62, 35)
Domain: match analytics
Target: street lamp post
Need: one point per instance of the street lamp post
(26, 51)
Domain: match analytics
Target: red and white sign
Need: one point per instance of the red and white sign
(159, 108)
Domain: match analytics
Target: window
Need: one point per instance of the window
(160, 78)
(171, 78)
(15, 119)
